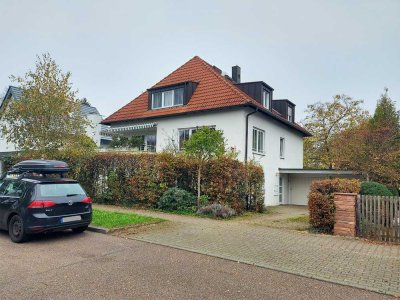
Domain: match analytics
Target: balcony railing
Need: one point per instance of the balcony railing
(141, 148)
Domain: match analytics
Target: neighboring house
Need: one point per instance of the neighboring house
(259, 127)
(94, 131)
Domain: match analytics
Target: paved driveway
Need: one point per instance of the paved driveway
(334, 259)
(96, 266)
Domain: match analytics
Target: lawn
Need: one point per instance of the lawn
(110, 219)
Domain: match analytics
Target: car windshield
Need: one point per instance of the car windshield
(59, 190)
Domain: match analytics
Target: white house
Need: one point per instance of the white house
(256, 125)
(94, 130)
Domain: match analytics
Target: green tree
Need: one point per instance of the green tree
(373, 147)
(325, 120)
(205, 144)
(47, 118)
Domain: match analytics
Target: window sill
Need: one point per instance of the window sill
(166, 107)
(282, 158)
(258, 153)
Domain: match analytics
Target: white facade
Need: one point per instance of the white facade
(233, 124)
(94, 129)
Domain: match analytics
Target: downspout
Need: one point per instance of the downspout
(247, 134)
(245, 153)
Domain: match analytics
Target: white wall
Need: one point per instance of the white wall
(232, 122)
(93, 131)
(300, 186)
(271, 160)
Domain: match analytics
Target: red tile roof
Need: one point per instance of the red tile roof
(213, 91)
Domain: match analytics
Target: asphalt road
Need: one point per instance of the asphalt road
(96, 266)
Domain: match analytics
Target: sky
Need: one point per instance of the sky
(308, 50)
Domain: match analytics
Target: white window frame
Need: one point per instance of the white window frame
(163, 99)
(282, 148)
(290, 114)
(266, 100)
(257, 149)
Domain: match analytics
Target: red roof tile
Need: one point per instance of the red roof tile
(213, 91)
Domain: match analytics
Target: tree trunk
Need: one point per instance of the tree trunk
(198, 186)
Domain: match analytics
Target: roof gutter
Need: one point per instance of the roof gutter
(247, 134)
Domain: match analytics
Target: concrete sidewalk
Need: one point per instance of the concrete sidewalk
(335, 259)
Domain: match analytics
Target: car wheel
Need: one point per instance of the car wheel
(16, 229)
(80, 229)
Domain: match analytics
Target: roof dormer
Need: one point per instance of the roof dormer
(259, 91)
(171, 95)
(286, 108)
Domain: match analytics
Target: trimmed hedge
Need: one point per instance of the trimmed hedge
(375, 189)
(321, 204)
(141, 179)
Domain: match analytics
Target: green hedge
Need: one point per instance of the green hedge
(141, 179)
(375, 189)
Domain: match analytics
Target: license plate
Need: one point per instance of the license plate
(71, 219)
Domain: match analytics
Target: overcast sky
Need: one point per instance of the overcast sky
(307, 51)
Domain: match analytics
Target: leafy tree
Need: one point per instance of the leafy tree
(47, 118)
(325, 121)
(204, 144)
(374, 146)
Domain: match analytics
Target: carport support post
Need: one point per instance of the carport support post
(345, 214)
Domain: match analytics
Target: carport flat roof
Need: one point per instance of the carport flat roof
(318, 171)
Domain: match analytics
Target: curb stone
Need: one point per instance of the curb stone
(98, 229)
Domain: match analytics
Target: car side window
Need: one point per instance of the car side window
(15, 189)
(3, 185)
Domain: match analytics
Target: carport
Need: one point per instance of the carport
(298, 182)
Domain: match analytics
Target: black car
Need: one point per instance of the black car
(34, 198)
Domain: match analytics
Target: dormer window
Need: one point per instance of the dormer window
(171, 95)
(266, 98)
(167, 98)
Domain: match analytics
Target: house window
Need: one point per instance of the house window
(186, 133)
(168, 98)
(266, 98)
(290, 114)
(258, 140)
(282, 147)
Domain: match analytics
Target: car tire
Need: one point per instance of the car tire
(16, 229)
(79, 229)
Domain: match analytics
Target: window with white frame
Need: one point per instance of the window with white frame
(266, 97)
(167, 98)
(258, 140)
(282, 147)
(290, 114)
(186, 133)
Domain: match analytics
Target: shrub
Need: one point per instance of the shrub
(176, 199)
(374, 188)
(217, 210)
(395, 191)
(320, 201)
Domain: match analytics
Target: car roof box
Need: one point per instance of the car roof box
(40, 166)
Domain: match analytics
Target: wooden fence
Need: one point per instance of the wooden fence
(378, 218)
